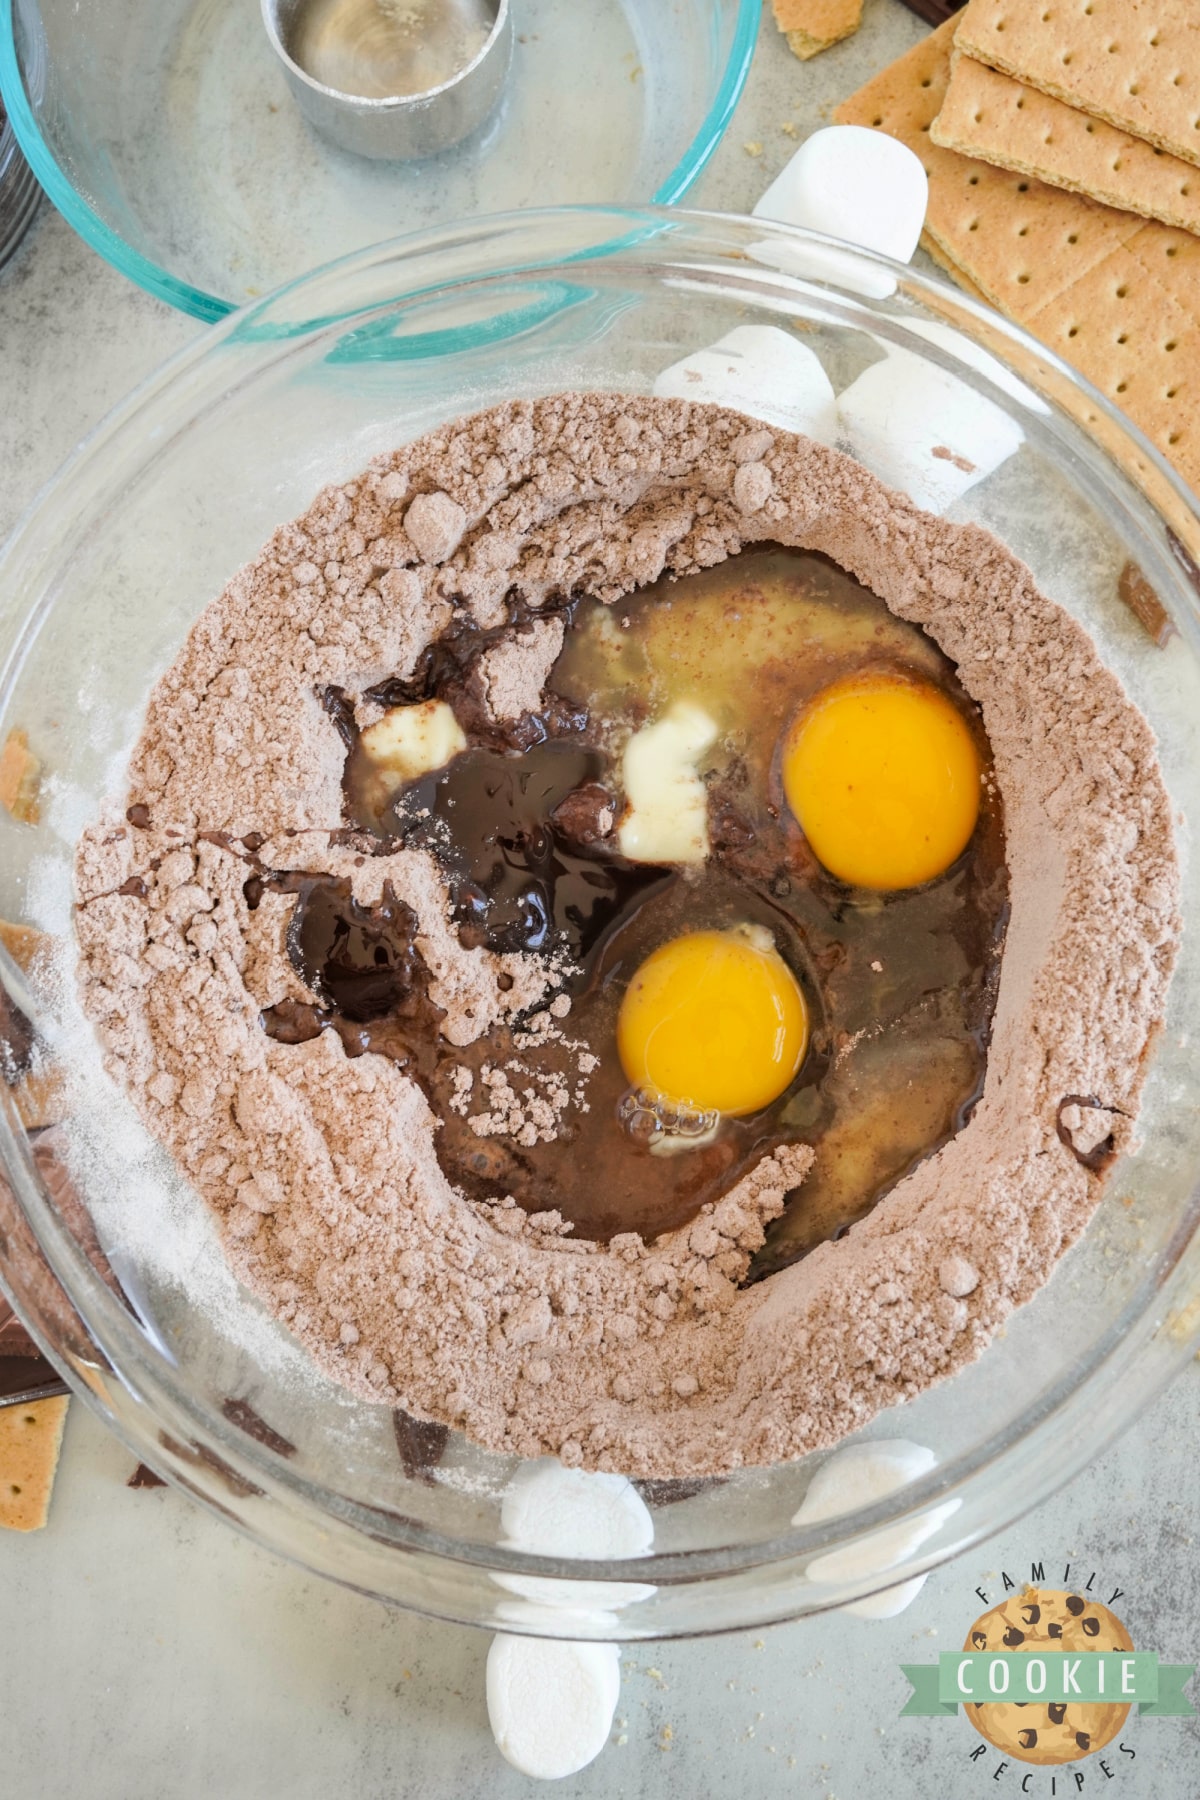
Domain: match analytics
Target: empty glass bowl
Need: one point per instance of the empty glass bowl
(97, 589)
(165, 132)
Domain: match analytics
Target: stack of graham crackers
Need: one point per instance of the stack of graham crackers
(1062, 143)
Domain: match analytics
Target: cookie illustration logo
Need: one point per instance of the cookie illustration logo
(1037, 1621)
(1049, 1676)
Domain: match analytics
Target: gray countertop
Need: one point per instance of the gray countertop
(148, 1651)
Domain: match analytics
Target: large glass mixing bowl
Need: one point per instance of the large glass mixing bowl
(165, 133)
(97, 589)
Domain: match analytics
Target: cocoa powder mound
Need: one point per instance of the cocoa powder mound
(643, 1357)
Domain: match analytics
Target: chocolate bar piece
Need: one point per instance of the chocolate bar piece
(28, 1378)
(935, 12)
(143, 1477)
(14, 1339)
(23, 1368)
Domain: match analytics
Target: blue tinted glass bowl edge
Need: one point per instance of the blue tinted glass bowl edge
(210, 307)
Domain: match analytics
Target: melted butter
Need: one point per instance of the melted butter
(747, 641)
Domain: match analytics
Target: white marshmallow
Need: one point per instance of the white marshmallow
(551, 1705)
(666, 815)
(923, 430)
(941, 332)
(860, 1474)
(760, 370)
(852, 183)
(889, 1603)
(554, 1511)
(856, 1477)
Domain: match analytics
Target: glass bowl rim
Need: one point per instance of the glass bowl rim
(197, 302)
(135, 1367)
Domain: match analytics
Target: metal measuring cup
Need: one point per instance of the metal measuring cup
(392, 78)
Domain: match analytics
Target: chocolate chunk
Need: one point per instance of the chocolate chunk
(1075, 1605)
(243, 1415)
(1057, 1708)
(979, 1640)
(1013, 1639)
(30, 1376)
(139, 816)
(41, 1292)
(421, 1443)
(586, 816)
(1084, 1739)
(1054, 1629)
(668, 1492)
(143, 1477)
(1031, 1614)
(1027, 1738)
(200, 1456)
(1091, 1628)
(934, 12)
(14, 1339)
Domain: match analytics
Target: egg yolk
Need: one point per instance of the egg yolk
(883, 776)
(714, 1021)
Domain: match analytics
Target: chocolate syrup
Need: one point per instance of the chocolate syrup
(364, 964)
(506, 828)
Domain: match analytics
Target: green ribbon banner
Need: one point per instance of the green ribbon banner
(1058, 1676)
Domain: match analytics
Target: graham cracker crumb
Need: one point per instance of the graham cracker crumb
(20, 778)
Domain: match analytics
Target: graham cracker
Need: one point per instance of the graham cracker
(1135, 63)
(1118, 297)
(936, 254)
(990, 115)
(811, 26)
(30, 1440)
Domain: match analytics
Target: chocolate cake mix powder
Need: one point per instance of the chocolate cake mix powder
(644, 1356)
